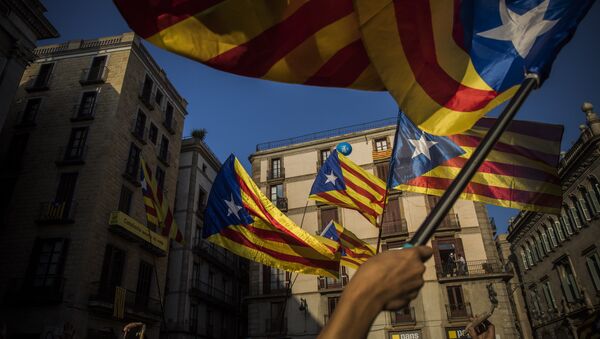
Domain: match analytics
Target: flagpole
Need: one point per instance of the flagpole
(441, 209)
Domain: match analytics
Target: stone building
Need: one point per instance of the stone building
(74, 246)
(206, 282)
(22, 24)
(293, 306)
(557, 256)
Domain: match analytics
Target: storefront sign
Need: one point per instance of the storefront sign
(412, 334)
(457, 333)
(138, 229)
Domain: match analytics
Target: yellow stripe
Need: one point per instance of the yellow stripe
(368, 80)
(522, 140)
(349, 177)
(484, 199)
(512, 159)
(344, 261)
(266, 259)
(372, 177)
(504, 181)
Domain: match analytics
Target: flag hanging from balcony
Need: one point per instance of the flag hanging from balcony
(240, 218)
(158, 211)
(354, 252)
(343, 183)
(446, 63)
(520, 171)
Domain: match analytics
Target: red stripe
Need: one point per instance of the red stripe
(473, 141)
(241, 239)
(529, 128)
(359, 206)
(527, 197)
(415, 24)
(333, 200)
(458, 31)
(361, 191)
(357, 245)
(363, 178)
(277, 236)
(148, 17)
(342, 69)
(517, 171)
(256, 57)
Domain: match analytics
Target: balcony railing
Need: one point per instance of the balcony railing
(394, 227)
(134, 302)
(276, 325)
(458, 311)
(170, 125)
(281, 203)
(276, 174)
(333, 284)
(83, 112)
(38, 83)
(451, 221)
(35, 290)
(219, 255)
(71, 155)
(471, 268)
(94, 75)
(206, 289)
(404, 316)
(57, 212)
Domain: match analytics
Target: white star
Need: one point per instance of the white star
(521, 30)
(330, 178)
(232, 207)
(422, 146)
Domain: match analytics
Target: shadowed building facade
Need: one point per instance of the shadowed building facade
(293, 306)
(75, 247)
(558, 256)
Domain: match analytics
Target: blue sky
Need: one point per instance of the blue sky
(241, 112)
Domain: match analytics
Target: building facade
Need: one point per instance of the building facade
(76, 249)
(206, 282)
(22, 24)
(558, 256)
(294, 306)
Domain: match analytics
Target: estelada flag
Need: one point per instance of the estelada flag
(354, 251)
(446, 63)
(341, 182)
(520, 171)
(240, 218)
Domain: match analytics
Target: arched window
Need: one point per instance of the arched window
(545, 241)
(524, 258)
(538, 245)
(583, 209)
(596, 188)
(529, 254)
(590, 200)
(535, 251)
(552, 234)
(559, 228)
(570, 219)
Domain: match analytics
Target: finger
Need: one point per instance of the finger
(424, 252)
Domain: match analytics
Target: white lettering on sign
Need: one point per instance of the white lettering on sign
(414, 335)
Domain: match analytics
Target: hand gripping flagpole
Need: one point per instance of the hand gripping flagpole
(441, 209)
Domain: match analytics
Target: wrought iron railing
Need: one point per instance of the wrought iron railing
(469, 268)
(404, 316)
(276, 174)
(212, 291)
(331, 283)
(134, 302)
(83, 112)
(458, 311)
(281, 203)
(392, 227)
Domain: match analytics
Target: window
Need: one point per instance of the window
(140, 125)
(275, 280)
(327, 215)
(392, 219)
(559, 228)
(381, 144)
(76, 147)
(144, 283)
(196, 275)
(567, 221)
(529, 255)
(277, 321)
(169, 115)
(323, 155)
(133, 162)
(65, 192)
(575, 214)
(456, 301)
(160, 178)
(596, 188)
(332, 303)
(582, 209)
(445, 254)
(125, 199)
(43, 77)
(158, 98)
(48, 259)
(201, 198)
(534, 251)
(590, 201)
(382, 170)
(112, 271)
(567, 281)
(203, 168)
(276, 169)
(86, 106)
(539, 246)
(545, 242)
(194, 318)
(31, 110)
(550, 301)
(153, 133)
(552, 234)
(96, 71)
(164, 148)
(276, 192)
(593, 264)
(524, 258)
(147, 89)
(535, 302)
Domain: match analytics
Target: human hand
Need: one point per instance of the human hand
(490, 333)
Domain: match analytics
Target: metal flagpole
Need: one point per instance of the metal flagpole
(435, 217)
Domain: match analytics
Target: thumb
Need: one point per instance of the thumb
(424, 252)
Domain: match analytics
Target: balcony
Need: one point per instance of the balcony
(458, 312)
(405, 316)
(29, 291)
(382, 154)
(391, 228)
(170, 125)
(139, 131)
(94, 75)
(277, 174)
(472, 269)
(71, 156)
(281, 203)
(276, 326)
(164, 156)
(212, 294)
(83, 112)
(332, 285)
(37, 83)
(137, 306)
(226, 260)
(450, 222)
(57, 212)
(130, 229)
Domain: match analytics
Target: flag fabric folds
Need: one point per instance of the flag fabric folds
(354, 252)
(240, 218)
(158, 211)
(343, 183)
(446, 63)
(520, 171)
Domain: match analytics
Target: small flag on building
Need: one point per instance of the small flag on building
(354, 252)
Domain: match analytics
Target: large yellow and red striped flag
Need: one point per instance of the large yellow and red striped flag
(297, 41)
(341, 182)
(240, 218)
(158, 211)
(520, 172)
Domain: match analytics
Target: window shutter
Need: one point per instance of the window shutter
(436, 254)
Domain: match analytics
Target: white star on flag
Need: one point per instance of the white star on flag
(521, 30)
(422, 146)
(331, 178)
(232, 207)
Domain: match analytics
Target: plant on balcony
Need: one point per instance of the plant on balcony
(199, 134)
